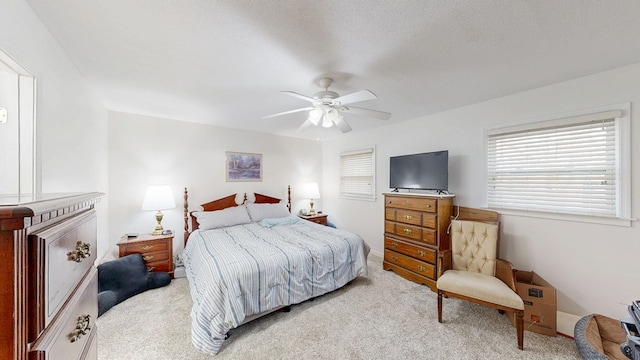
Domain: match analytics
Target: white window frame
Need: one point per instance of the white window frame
(623, 165)
(358, 196)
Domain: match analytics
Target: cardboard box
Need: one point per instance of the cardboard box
(540, 308)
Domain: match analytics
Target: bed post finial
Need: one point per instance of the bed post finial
(186, 215)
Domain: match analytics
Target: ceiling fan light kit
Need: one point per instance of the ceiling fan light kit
(328, 107)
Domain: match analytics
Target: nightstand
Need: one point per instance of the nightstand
(156, 250)
(318, 219)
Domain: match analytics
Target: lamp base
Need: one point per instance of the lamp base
(312, 211)
(158, 230)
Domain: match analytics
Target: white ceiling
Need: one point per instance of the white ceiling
(225, 62)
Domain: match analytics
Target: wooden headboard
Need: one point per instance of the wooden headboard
(223, 203)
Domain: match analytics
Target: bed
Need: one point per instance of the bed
(246, 260)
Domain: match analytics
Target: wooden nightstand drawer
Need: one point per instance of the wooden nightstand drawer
(155, 256)
(158, 266)
(145, 247)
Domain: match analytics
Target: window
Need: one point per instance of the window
(357, 174)
(576, 165)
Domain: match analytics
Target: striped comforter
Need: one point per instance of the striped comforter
(243, 270)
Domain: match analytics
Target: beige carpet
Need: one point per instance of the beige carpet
(380, 317)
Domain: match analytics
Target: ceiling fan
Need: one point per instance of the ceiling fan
(328, 107)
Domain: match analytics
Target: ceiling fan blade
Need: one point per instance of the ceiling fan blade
(300, 96)
(305, 125)
(342, 125)
(368, 112)
(288, 112)
(357, 96)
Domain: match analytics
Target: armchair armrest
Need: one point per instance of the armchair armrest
(506, 273)
(444, 261)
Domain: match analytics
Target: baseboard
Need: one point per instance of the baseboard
(566, 323)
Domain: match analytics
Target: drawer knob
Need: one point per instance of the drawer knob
(394, 258)
(148, 247)
(147, 258)
(83, 326)
(421, 253)
(421, 268)
(407, 217)
(150, 268)
(394, 244)
(407, 231)
(82, 251)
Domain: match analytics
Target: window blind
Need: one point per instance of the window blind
(357, 174)
(561, 166)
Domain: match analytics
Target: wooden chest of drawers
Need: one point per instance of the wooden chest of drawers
(318, 219)
(156, 250)
(49, 293)
(415, 230)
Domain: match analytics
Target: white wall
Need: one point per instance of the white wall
(9, 146)
(147, 150)
(593, 267)
(71, 123)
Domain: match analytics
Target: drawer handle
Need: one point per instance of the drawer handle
(407, 231)
(150, 268)
(421, 268)
(421, 253)
(407, 217)
(428, 206)
(148, 247)
(82, 251)
(147, 258)
(394, 244)
(394, 258)
(83, 326)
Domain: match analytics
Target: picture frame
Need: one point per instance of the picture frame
(243, 166)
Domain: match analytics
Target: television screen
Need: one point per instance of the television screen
(425, 171)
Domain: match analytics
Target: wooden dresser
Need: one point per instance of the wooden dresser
(415, 230)
(156, 250)
(49, 292)
(318, 219)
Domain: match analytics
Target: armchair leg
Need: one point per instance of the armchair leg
(439, 306)
(520, 328)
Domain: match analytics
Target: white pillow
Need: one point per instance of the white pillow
(235, 215)
(258, 212)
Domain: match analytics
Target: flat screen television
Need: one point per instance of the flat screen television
(424, 171)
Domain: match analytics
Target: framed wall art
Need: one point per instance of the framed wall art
(243, 166)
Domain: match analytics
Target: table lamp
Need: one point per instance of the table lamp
(158, 198)
(311, 191)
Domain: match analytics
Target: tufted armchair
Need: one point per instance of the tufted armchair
(472, 271)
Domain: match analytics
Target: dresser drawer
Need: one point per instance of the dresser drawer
(65, 254)
(410, 232)
(409, 217)
(411, 264)
(62, 340)
(412, 203)
(427, 255)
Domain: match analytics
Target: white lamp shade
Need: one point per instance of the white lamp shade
(158, 197)
(311, 191)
